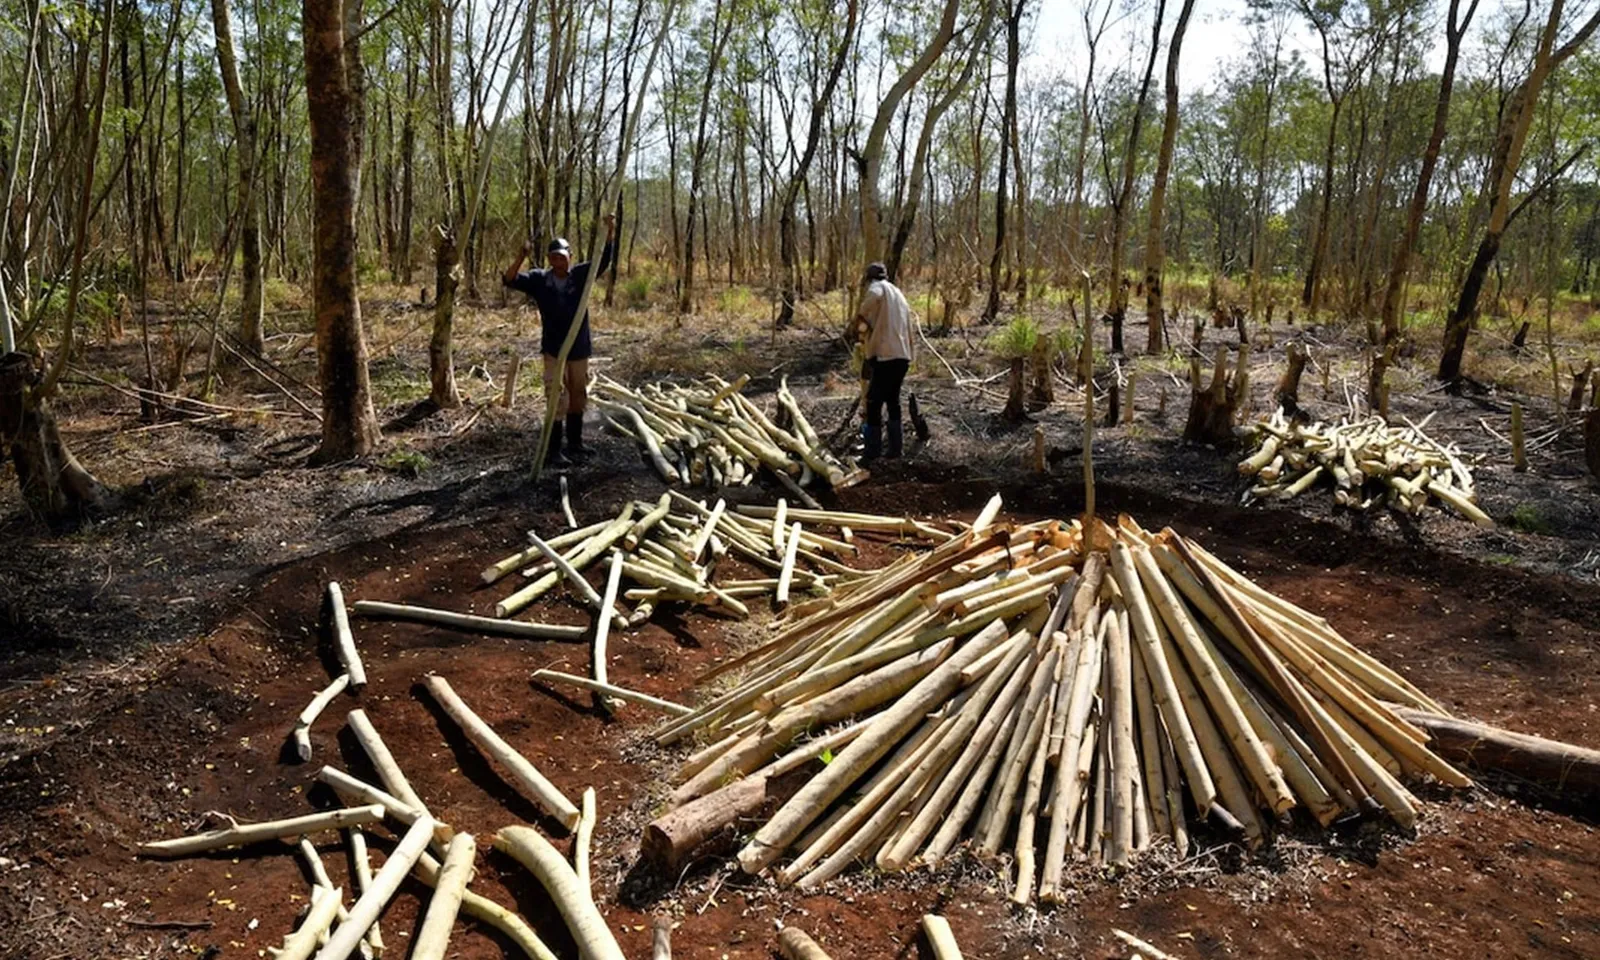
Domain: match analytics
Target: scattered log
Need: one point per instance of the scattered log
(243, 834)
(466, 621)
(344, 642)
(344, 940)
(796, 944)
(672, 838)
(302, 943)
(941, 940)
(610, 690)
(433, 939)
(588, 928)
(523, 773)
(1564, 769)
(661, 938)
(486, 911)
(1142, 948)
(308, 716)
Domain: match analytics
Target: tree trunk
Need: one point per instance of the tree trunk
(1212, 408)
(787, 246)
(1288, 391)
(1591, 442)
(349, 424)
(1155, 240)
(1120, 207)
(441, 350)
(991, 309)
(1507, 158)
(869, 161)
(252, 336)
(54, 485)
(1016, 409)
(719, 37)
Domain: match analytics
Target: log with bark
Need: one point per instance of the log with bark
(1048, 691)
(1369, 463)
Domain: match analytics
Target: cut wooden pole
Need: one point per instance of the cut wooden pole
(1164, 689)
(779, 526)
(1124, 760)
(344, 644)
(585, 838)
(987, 515)
(612, 691)
(796, 944)
(523, 773)
(566, 506)
(790, 552)
(389, 772)
(467, 621)
(1141, 947)
(361, 862)
(308, 716)
(661, 938)
(941, 940)
(520, 559)
(486, 911)
(344, 941)
(572, 898)
(602, 626)
(300, 944)
(433, 940)
(570, 572)
(793, 817)
(243, 834)
(580, 558)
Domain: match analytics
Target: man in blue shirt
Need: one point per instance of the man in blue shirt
(556, 292)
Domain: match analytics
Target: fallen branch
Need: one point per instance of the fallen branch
(434, 938)
(344, 941)
(941, 940)
(610, 690)
(344, 643)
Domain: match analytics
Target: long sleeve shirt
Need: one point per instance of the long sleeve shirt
(557, 300)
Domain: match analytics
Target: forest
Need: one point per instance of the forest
(1315, 283)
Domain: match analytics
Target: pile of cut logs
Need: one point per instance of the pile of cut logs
(708, 432)
(671, 550)
(1367, 462)
(333, 930)
(1047, 691)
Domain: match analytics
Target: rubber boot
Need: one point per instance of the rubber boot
(575, 448)
(896, 440)
(554, 456)
(872, 441)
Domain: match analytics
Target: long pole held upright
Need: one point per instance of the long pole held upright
(613, 187)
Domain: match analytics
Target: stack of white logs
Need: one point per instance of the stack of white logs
(671, 550)
(1367, 462)
(1043, 695)
(708, 432)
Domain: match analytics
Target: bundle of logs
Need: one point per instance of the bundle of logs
(1047, 691)
(672, 550)
(708, 432)
(1367, 463)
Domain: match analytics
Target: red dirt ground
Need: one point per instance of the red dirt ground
(1488, 875)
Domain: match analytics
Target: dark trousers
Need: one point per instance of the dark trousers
(883, 388)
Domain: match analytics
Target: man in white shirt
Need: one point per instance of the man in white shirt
(884, 322)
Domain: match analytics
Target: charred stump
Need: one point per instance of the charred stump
(55, 486)
(1043, 392)
(1519, 343)
(1377, 378)
(1016, 409)
(1287, 393)
(1213, 407)
(1580, 386)
(1591, 442)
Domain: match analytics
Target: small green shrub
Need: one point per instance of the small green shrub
(1528, 518)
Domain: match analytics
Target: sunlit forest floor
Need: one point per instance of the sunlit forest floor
(154, 658)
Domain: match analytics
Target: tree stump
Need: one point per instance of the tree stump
(1015, 410)
(1212, 408)
(1580, 386)
(1043, 392)
(1287, 393)
(1591, 442)
(54, 485)
(1377, 374)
